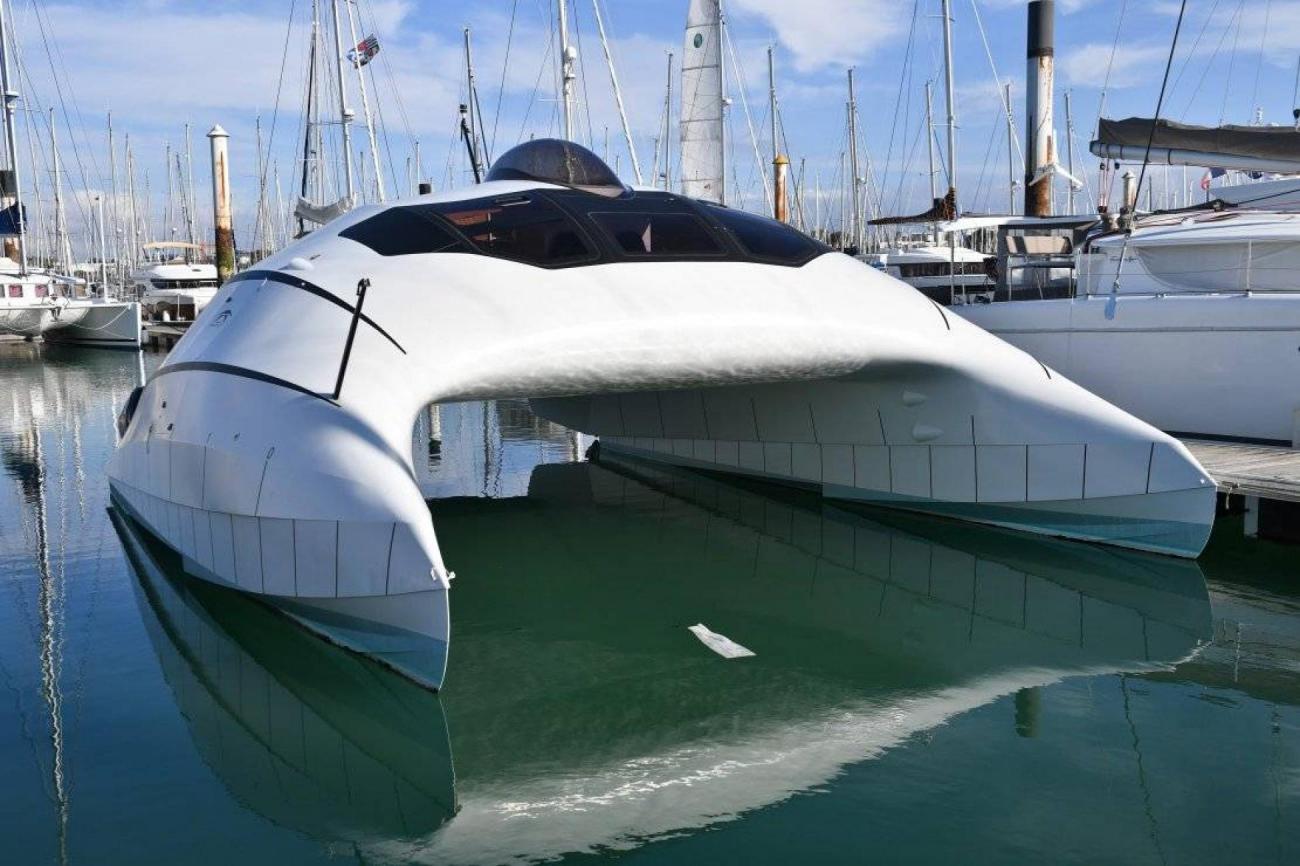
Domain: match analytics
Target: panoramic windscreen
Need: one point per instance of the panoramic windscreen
(551, 160)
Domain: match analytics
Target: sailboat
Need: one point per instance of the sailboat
(1188, 319)
(34, 304)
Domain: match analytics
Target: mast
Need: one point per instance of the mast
(365, 107)
(168, 216)
(311, 100)
(260, 222)
(112, 173)
(62, 244)
(1069, 149)
(133, 233)
(722, 104)
(1039, 147)
(11, 140)
(668, 127)
(103, 253)
(855, 227)
(568, 54)
(618, 94)
(471, 107)
(1011, 154)
(950, 99)
(771, 110)
(929, 134)
(345, 113)
(190, 200)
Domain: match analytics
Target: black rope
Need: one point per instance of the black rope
(1151, 137)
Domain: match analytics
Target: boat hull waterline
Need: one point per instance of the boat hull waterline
(241, 455)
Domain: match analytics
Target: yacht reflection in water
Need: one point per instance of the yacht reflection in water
(308, 735)
(589, 719)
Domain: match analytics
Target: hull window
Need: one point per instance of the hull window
(658, 234)
(765, 239)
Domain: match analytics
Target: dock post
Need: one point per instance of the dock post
(225, 233)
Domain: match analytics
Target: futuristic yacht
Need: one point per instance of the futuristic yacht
(273, 448)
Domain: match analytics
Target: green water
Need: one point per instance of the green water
(922, 691)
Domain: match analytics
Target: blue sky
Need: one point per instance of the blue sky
(158, 64)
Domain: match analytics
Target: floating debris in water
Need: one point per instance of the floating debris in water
(719, 643)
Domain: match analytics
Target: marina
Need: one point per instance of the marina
(763, 434)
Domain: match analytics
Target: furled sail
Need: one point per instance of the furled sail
(321, 213)
(943, 210)
(701, 163)
(1250, 148)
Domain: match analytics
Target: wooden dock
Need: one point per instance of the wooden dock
(1266, 471)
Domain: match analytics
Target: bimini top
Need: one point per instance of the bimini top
(551, 160)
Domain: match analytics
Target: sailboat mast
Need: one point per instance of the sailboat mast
(1069, 150)
(60, 218)
(133, 232)
(471, 106)
(112, 174)
(11, 140)
(668, 127)
(1011, 154)
(723, 102)
(950, 98)
(618, 93)
(189, 190)
(345, 113)
(855, 226)
(929, 135)
(365, 106)
(311, 103)
(567, 55)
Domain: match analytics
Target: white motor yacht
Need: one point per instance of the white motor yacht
(272, 449)
(172, 284)
(938, 272)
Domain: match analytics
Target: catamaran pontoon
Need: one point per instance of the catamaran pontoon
(272, 448)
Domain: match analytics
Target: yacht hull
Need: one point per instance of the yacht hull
(1211, 365)
(98, 323)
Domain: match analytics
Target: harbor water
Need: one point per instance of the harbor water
(919, 690)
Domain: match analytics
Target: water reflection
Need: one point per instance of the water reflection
(307, 734)
(608, 724)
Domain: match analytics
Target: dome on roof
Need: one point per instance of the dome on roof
(551, 160)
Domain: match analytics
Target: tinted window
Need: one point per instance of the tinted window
(764, 238)
(658, 234)
(403, 231)
(520, 227)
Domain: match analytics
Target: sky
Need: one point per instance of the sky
(158, 65)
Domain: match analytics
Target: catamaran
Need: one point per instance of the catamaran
(272, 449)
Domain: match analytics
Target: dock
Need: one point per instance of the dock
(1261, 480)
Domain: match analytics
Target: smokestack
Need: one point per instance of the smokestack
(780, 201)
(225, 239)
(1039, 146)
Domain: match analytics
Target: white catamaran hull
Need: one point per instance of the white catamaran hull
(102, 323)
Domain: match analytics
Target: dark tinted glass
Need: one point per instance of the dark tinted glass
(764, 238)
(658, 234)
(555, 161)
(402, 231)
(521, 227)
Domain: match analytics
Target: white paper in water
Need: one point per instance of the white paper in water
(719, 643)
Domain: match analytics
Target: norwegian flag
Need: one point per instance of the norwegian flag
(365, 51)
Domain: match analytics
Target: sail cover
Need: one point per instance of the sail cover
(321, 213)
(701, 163)
(942, 210)
(1264, 143)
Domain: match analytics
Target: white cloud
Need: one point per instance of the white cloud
(1133, 64)
(828, 32)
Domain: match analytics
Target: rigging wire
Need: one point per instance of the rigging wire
(505, 65)
(1259, 64)
(1232, 60)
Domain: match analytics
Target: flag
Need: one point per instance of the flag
(1210, 174)
(365, 51)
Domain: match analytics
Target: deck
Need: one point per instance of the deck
(1266, 471)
